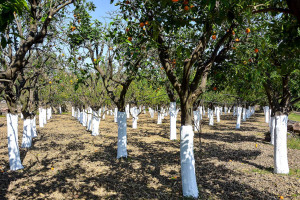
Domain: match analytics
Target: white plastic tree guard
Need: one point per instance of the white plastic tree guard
(159, 118)
(26, 139)
(281, 165)
(218, 111)
(134, 113)
(73, 112)
(173, 116)
(41, 118)
(244, 114)
(127, 111)
(239, 116)
(200, 111)
(196, 120)
(122, 135)
(96, 122)
(267, 113)
(272, 129)
(116, 115)
(13, 147)
(211, 117)
(33, 126)
(44, 111)
(188, 175)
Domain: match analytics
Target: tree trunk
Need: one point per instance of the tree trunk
(173, 116)
(96, 122)
(188, 175)
(238, 120)
(281, 165)
(122, 135)
(13, 147)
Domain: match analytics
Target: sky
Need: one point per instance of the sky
(102, 7)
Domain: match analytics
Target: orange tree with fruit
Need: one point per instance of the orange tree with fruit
(197, 35)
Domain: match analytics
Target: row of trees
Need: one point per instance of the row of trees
(153, 52)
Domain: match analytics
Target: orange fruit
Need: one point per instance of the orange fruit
(213, 37)
(186, 2)
(256, 50)
(110, 48)
(186, 8)
(147, 23)
(245, 62)
(237, 39)
(127, 2)
(50, 82)
(247, 30)
(127, 29)
(129, 38)
(233, 33)
(62, 54)
(281, 197)
(174, 1)
(192, 6)
(215, 88)
(142, 24)
(74, 15)
(79, 58)
(95, 59)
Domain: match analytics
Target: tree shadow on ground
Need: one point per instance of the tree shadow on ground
(230, 137)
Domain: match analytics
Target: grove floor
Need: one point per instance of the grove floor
(66, 162)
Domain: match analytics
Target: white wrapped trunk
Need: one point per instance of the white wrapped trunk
(127, 111)
(267, 114)
(159, 119)
(218, 114)
(151, 111)
(122, 135)
(196, 120)
(239, 116)
(134, 113)
(59, 110)
(41, 118)
(44, 115)
(211, 117)
(244, 114)
(188, 175)
(173, 116)
(200, 111)
(272, 129)
(33, 126)
(13, 147)
(27, 137)
(116, 115)
(96, 122)
(281, 165)
(73, 112)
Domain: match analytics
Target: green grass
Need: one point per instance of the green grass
(294, 143)
(294, 117)
(295, 172)
(268, 170)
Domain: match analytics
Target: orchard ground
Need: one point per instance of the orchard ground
(66, 162)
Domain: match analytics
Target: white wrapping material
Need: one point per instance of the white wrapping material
(281, 165)
(116, 115)
(211, 117)
(239, 116)
(188, 175)
(244, 114)
(272, 129)
(218, 114)
(122, 135)
(173, 116)
(196, 120)
(41, 118)
(96, 122)
(26, 139)
(13, 147)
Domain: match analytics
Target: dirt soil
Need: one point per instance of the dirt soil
(67, 162)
